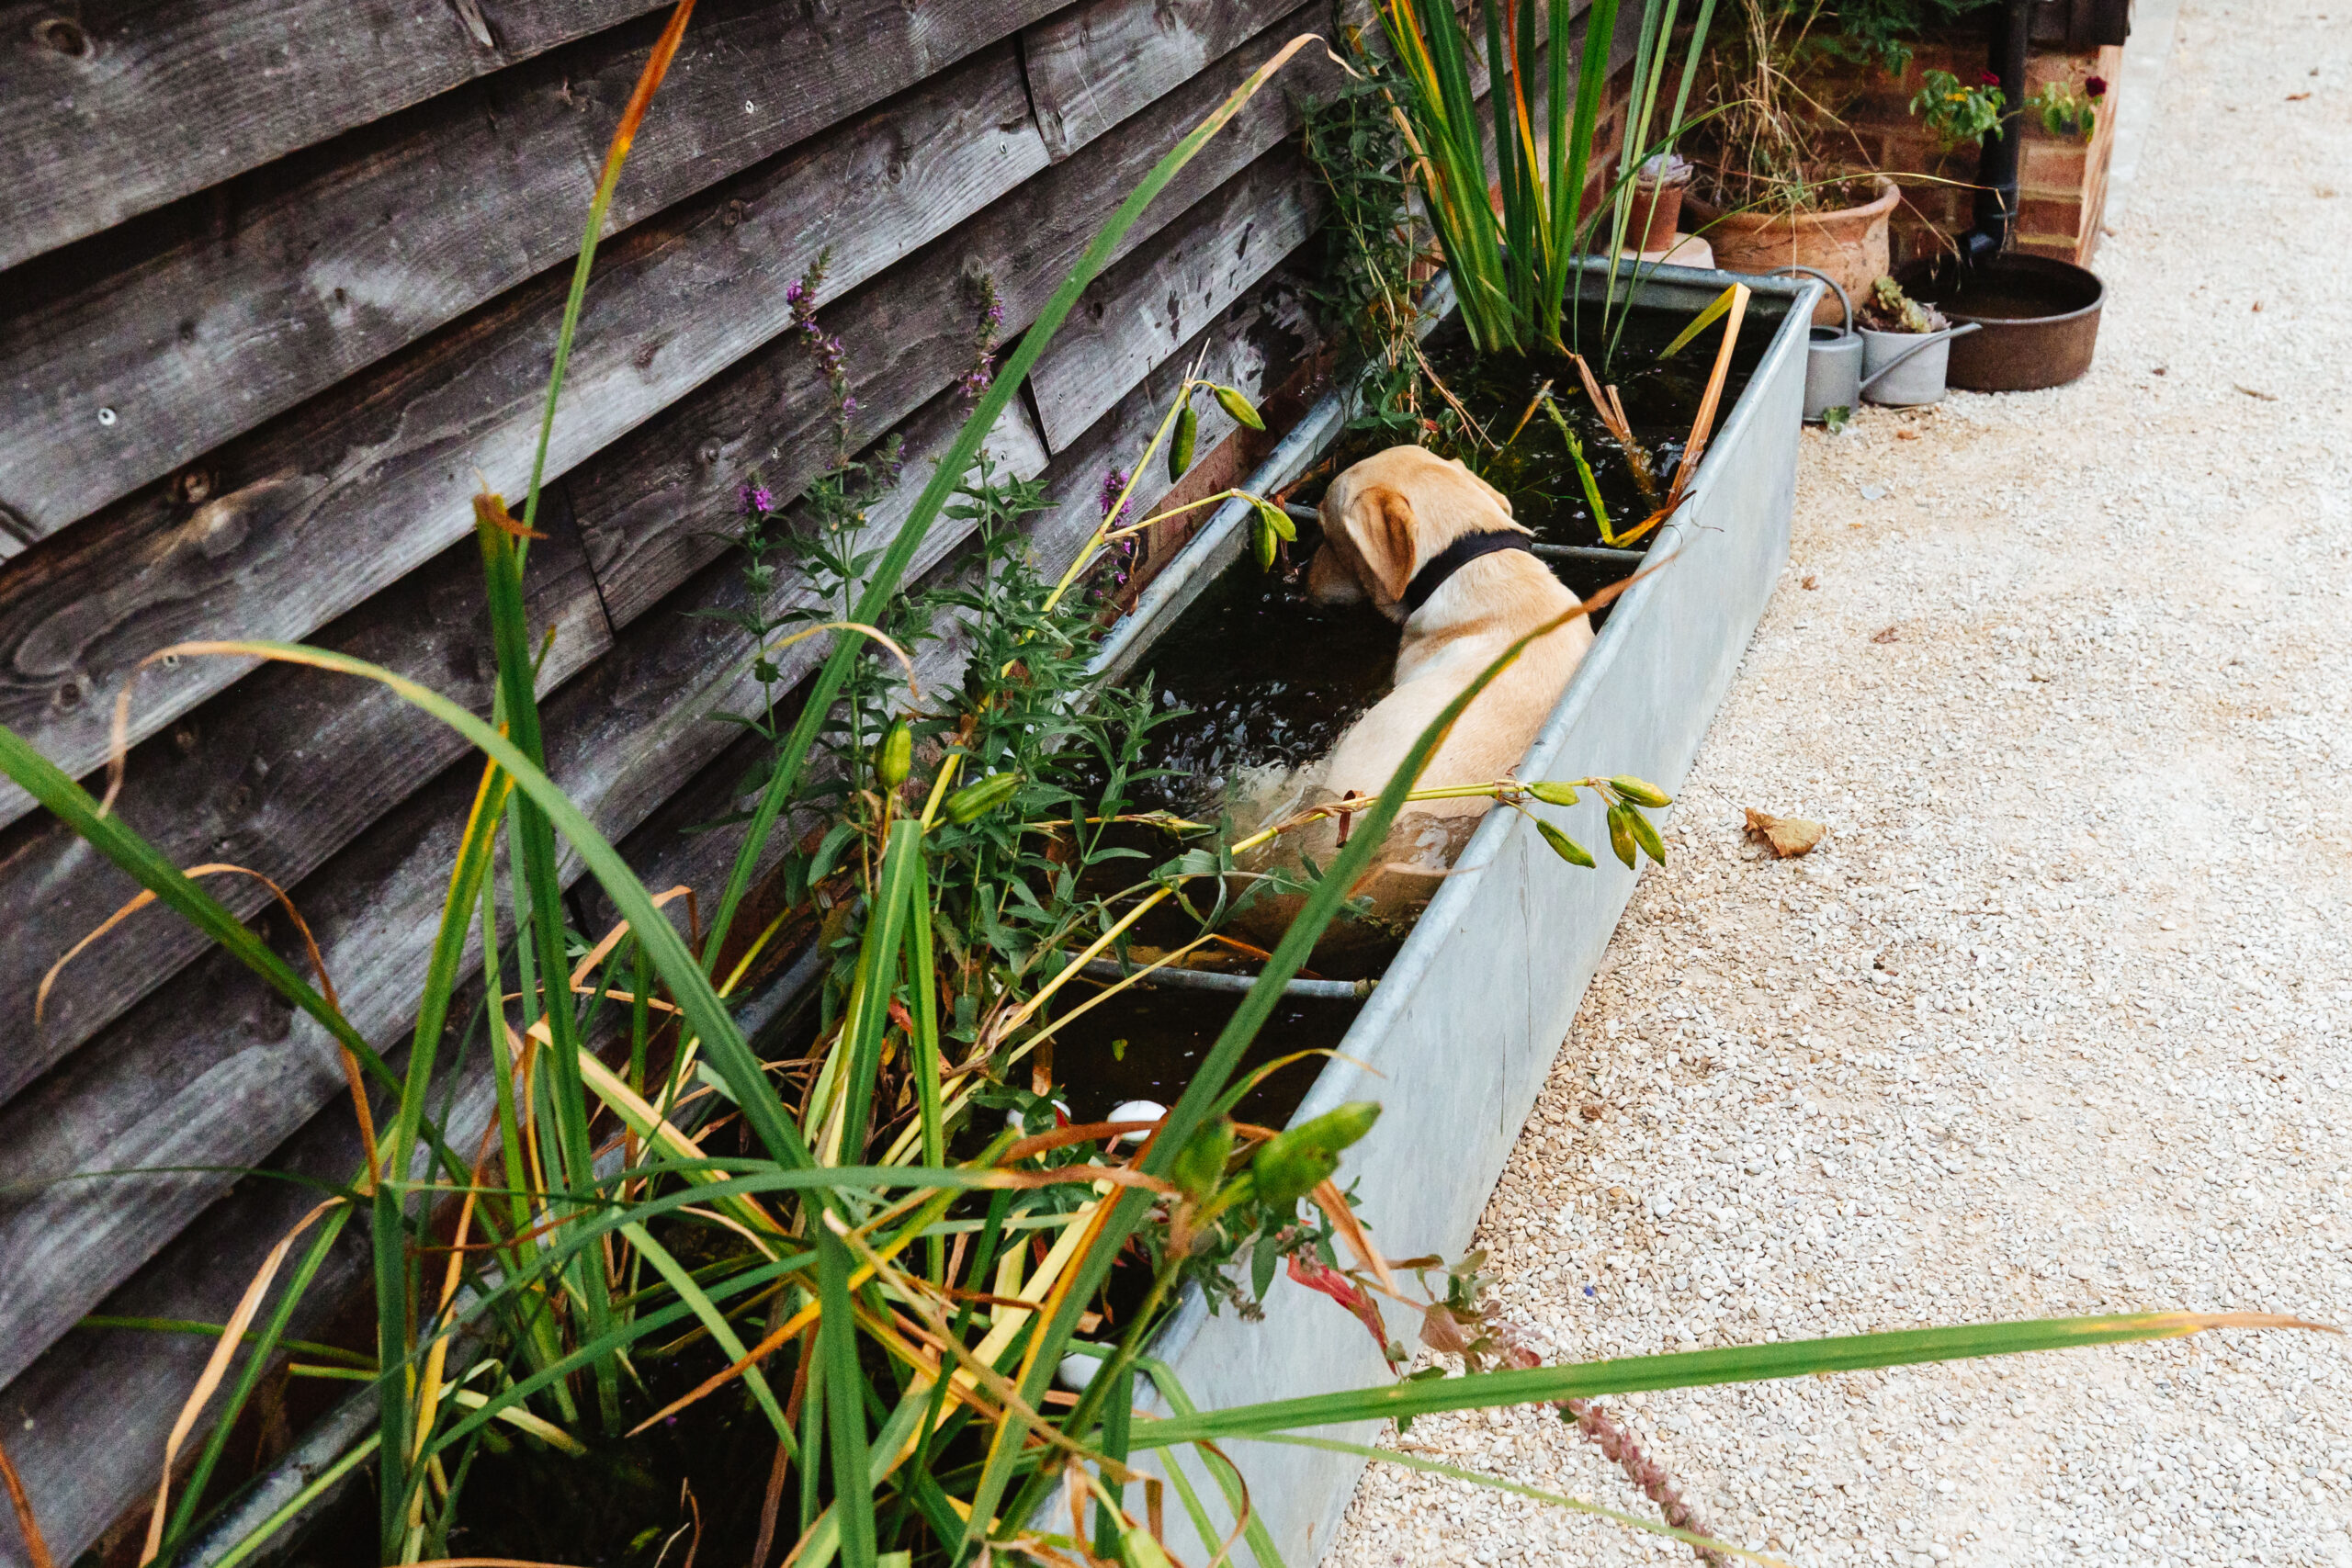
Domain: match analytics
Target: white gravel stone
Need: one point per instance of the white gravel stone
(2059, 1018)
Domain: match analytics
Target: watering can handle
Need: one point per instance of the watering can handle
(1835, 288)
(1926, 342)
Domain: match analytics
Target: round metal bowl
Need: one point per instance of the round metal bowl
(2040, 320)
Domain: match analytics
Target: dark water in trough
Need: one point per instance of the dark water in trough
(1268, 679)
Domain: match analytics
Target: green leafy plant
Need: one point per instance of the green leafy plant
(1960, 114)
(2069, 108)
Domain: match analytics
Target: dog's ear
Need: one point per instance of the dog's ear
(1379, 523)
(1500, 499)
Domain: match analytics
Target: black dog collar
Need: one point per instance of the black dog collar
(1452, 558)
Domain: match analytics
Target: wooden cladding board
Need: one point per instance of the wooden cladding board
(215, 1067)
(102, 96)
(199, 329)
(392, 458)
(1095, 63)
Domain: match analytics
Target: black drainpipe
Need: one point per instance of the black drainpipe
(1996, 169)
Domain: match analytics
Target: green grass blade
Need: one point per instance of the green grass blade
(844, 1399)
(896, 887)
(922, 975)
(535, 841)
(722, 1332)
(265, 1345)
(1690, 1368)
(73, 806)
(1517, 1489)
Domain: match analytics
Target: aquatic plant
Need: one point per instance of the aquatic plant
(1512, 266)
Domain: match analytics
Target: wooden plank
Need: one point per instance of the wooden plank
(1138, 314)
(391, 460)
(308, 806)
(102, 96)
(648, 505)
(1099, 61)
(88, 1453)
(275, 775)
(196, 327)
(213, 1068)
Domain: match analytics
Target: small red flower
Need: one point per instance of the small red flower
(2096, 86)
(1988, 78)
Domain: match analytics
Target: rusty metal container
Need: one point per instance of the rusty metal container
(2040, 320)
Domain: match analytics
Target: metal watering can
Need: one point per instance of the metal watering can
(1833, 358)
(1834, 361)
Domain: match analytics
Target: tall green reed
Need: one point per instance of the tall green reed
(1513, 231)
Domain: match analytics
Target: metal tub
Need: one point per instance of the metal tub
(1459, 1035)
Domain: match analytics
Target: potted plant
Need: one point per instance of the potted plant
(1778, 185)
(1906, 347)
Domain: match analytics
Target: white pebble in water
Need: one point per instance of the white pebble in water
(1136, 1111)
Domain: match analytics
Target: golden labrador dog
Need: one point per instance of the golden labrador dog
(1435, 549)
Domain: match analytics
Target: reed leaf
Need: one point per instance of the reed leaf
(1694, 1369)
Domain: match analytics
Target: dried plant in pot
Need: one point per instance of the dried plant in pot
(1779, 181)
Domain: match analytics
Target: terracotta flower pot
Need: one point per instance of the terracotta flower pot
(1850, 244)
(1661, 206)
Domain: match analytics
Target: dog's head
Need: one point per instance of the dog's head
(1389, 513)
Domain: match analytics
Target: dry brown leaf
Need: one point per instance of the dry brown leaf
(1810, 582)
(1786, 836)
(1889, 635)
(1441, 1333)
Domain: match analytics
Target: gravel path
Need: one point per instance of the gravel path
(2059, 1017)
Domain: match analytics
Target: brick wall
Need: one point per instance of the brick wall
(2061, 181)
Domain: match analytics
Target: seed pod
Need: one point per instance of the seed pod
(1646, 835)
(1291, 1164)
(1621, 833)
(1276, 519)
(1553, 793)
(1180, 450)
(1641, 791)
(1202, 1164)
(976, 800)
(1567, 849)
(1263, 542)
(1234, 403)
(895, 755)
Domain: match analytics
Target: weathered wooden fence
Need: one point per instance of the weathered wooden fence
(280, 277)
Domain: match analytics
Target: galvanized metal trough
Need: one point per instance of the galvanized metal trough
(1459, 1034)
